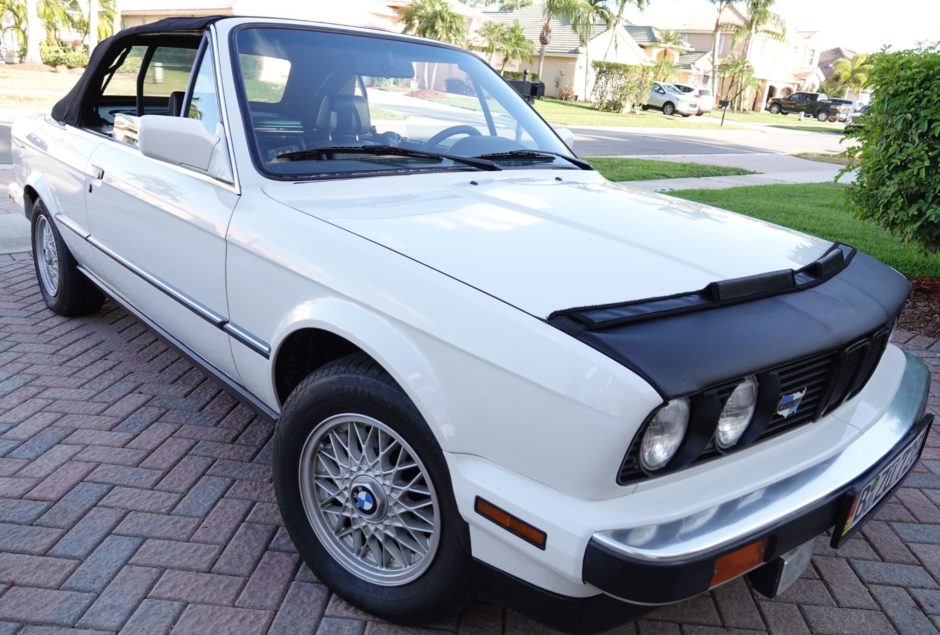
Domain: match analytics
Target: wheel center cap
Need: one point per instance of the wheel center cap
(368, 498)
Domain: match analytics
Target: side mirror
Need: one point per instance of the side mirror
(177, 140)
(567, 136)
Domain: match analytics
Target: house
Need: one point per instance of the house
(781, 67)
(366, 13)
(693, 66)
(566, 61)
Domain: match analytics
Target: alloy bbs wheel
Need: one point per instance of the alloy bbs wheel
(47, 256)
(369, 499)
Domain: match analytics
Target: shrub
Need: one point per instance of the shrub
(899, 151)
(57, 55)
(619, 86)
(459, 86)
(566, 93)
(517, 75)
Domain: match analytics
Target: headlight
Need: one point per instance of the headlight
(737, 413)
(664, 434)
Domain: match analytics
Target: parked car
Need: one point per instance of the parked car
(856, 119)
(815, 105)
(853, 106)
(705, 101)
(671, 100)
(491, 370)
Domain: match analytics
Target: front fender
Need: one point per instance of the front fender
(379, 338)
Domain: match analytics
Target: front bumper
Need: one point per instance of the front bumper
(669, 562)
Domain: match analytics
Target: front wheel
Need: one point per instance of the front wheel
(64, 288)
(366, 495)
(822, 115)
(669, 108)
(774, 109)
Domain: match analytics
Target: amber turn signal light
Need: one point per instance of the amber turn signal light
(739, 561)
(510, 523)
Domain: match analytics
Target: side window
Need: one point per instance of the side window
(204, 102)
(168, 71)
(124, 81)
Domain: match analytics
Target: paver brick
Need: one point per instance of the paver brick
(104, 562)
(203, 496)
(826, 619)
(204, 588)
(115, 604)
(901, 610)
(87, 533)
(302, 608)
(22, 512)
(894, 574)
(71, 507)
(244, 549)
(222, 522)
(198, 620)
(26, 539)
(844, 585)
(178, 555)
(150, 525)
(153, 616)
(63, 479)
(143, 500)
(268, 583)
(32, 605)
(25, 570)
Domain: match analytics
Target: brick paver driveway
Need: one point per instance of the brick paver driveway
(135, 495)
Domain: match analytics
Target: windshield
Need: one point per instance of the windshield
(325, 105)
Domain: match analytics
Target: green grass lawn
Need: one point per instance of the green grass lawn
(819, 209)
(826, 157)
(810, 128)
(643, 169)
(569, 113)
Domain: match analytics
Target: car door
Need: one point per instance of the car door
(163, 226)
(657, 96)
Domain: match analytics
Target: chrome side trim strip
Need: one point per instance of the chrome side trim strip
(711, 529)
(256, 344)
(196, 307)
(65, 221)
(240, 391)
(247, 339)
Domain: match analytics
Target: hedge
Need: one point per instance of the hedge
(619, 86)
(53, 55)
(898, 155)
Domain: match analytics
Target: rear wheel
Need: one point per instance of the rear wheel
(366, 495)
(822, 115)
(669, 108)
(774, 109)
(64, 288)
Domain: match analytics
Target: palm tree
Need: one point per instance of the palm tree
(666, 63)
(852, 73)
(760, 20)
(618, 19)
(56, 16)
(551, 9)
(434, 19)
(739, 69)
(13, 18)
(489, 38)
(720, 27)
(515, 45)
(586, 14)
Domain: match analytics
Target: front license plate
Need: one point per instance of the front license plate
(880, 485)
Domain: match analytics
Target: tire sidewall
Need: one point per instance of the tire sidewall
(442, 586)
(669, 109)
(775, 109)
(40, 212)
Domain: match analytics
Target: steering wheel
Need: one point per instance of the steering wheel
(446, 133)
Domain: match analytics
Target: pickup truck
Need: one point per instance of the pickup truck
(813, 104)
(491, 370)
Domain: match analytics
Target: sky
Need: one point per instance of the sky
(861, 25)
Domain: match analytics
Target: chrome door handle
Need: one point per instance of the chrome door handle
(97, 173)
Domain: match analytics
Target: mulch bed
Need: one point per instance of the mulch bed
(922, 313)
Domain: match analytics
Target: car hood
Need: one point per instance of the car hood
(545, 240)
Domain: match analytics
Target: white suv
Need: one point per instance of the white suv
(705, 101)
(671, 100)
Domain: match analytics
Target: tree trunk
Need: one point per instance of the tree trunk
(33, 32)
(587, 70)
(541, 60)
(545, 37)
(716, 36)
(92, 25)
(116, 26)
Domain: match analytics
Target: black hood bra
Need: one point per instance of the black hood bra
(693, 341)
(74, 108)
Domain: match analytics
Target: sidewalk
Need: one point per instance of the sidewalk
(14, 228)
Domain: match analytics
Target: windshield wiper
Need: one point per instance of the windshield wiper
(385, 151)
(535, 155)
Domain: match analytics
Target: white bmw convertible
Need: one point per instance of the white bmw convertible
(492, 370)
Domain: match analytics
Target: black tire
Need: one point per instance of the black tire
(73, 294)
(644, 107)
(358, 385)
(699, 113)
(669, 109)
(822, 115)
(774, 109)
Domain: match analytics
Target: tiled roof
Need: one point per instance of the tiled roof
(643, 35)
(689, 58)
(828, 58)
(563, 41)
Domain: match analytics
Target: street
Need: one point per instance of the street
(599, 141)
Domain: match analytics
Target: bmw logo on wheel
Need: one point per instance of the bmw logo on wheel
(365, 501)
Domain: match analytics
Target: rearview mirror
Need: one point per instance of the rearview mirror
(177, 140)
(567, 136)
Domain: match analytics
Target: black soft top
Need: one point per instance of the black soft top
(70, 109)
